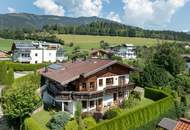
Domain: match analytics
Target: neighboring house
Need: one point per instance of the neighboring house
(126, 51)
(4, 55)
(99, 53)
(37, 52)
(98, 84)
(169, 124)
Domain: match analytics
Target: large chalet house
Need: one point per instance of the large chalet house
(97, 83)
(37, 52)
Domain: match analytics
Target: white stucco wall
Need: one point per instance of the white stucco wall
(42, 56)
(50, 55)
(115, 81)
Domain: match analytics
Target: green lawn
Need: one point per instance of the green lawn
(143, 103)
(42, 118)
(5, 44)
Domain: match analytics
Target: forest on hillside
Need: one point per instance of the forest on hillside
(101, 28)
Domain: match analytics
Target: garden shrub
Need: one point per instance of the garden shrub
(31, 124)
(138, 95)
(130, 102)
(109, 114)
(58, 121)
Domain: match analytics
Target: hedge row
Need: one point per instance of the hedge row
(24, 67)
(31, 124)
(140, 117)
(154, 94)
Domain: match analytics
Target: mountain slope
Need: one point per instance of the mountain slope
(25, 20)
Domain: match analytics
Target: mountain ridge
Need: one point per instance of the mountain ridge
(26, 20)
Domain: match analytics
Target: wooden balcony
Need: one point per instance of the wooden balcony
(85, 95)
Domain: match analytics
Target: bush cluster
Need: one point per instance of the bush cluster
(110, 114)
(58, 121)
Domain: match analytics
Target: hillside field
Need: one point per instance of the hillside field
(5, 44)
(86, 42)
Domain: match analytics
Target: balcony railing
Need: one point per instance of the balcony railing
(24, 59)
(74, 95)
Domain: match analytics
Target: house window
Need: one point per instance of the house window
(91, 104)
(84, 104)
(49, 54)
(100, 82)
(36, 54)
(92, 85)
(109, 81)
(84, 85)
(36, 62)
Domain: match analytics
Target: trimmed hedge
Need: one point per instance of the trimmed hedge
(155, 94)
(24, 67)
(140, 117)
(31, 124)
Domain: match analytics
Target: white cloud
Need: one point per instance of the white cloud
(50, 7)
(142, 12)
(113, 16)
(79, 8)
(11, 10)
(75, 8)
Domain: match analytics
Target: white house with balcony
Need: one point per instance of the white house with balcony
(37, 52)
(98, 84)
(126, 51)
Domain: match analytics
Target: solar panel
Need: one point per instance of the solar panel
(55, 66)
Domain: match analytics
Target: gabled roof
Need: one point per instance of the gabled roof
(99, 50)
(71, 71)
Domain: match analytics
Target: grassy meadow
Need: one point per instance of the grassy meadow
(86, 42)
(5, 44)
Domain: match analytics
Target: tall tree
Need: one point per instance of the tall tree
(168, 57)
(19, 102)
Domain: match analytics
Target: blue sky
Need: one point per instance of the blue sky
(151, 14)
